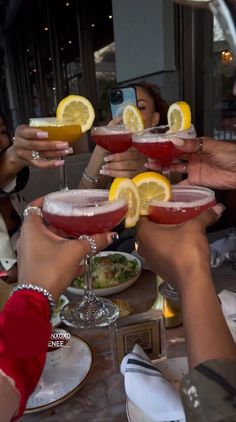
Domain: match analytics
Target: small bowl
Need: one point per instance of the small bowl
(58, 348)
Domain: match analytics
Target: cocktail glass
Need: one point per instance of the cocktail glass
(112, 138)
(158, 143)
(85, 212)
(186, 203)
(59, 130)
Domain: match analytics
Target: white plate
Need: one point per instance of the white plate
(114, 289)
(173, 369)
(61, 381)
(56, 320)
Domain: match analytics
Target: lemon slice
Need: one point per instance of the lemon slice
(77, 109)
(151, 185)
(179, 116)
(132, 118)
(123, 187)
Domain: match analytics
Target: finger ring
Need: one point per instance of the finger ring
(200, 146)
(32, 209)
(92, 243)
(35, 155)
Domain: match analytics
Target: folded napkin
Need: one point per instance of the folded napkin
(149, 390)
(228, 306)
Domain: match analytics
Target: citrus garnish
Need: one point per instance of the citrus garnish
(179, 116)
(77, 109)
(132, 118)
(123, 187)
(151, 185)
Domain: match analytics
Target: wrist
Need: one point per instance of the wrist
(192, 279)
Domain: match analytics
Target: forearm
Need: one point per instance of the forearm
(9, 398)
(10, 166)
(206, 331)
(93, 169)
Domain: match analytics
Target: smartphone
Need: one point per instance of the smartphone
(120, 97)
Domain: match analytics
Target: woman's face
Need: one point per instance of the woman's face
(146, 106)
(4, 138)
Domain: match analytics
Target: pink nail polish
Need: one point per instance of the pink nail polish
(59, 163)
(62, 145)
(108, 158)
(42, 135)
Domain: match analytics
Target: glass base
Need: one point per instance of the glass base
(98, 313)
(168, 291)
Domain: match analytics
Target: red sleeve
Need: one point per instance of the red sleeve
(25, 330)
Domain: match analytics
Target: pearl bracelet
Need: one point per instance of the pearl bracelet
(89, 178)
(39, 289)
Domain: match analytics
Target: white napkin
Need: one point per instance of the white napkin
(149, 390)
(7, 254)
(228, 306)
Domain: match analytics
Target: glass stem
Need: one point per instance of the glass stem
(166, 172)
(63, 176)
(88, 289)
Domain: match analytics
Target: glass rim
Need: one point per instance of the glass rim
(111, 129)
(149, 135)
(53, 205)
(51, 121)
(208, 196)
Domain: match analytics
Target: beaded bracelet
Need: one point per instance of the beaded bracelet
(89, 178)
(39, 289)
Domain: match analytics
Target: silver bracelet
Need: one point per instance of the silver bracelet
(89, 178)
(39, 289)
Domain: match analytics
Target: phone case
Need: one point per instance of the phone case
(118, 105)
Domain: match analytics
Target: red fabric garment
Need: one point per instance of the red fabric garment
(25, 330)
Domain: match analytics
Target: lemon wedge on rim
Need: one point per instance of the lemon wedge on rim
(179, 116)
(77, 109)
(132, 118)
(124, 188)
(151, 185)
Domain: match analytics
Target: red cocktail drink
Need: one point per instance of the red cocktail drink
(78, 212)
(162, 152)
(112, 138)
(186, 203)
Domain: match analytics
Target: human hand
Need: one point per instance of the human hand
(28, 139)
(172, 259)
(124, 164)
(49, 260)
(214, 166)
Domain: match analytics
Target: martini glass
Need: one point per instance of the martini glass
(158, 143)
(186, 203)
(85, 212)
(59, 130)
(112, 138)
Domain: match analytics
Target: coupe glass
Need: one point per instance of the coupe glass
(186, 203)
(85, 212)
(59, 130)
(158, 143)
(112, 138)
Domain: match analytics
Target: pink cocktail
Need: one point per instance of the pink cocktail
(186, 203)
(78, 212)
(112, 138)
(85, 212)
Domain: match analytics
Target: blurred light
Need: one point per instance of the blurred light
(70, 42)
(226, 56)
(34, 70)
(46, 28)
(49, 58)
(92, 25)
(62, 48)
(110, 17)
(27, 50)
(54, 88)
(67, 4)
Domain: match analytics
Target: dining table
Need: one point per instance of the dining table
(102, 397)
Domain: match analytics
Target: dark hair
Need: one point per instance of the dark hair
(2, 116)
(161, 106)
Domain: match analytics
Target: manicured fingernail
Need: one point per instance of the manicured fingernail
(179, 142)
(104, 172)
(59, 163)
(108, 158)
(62, 145)
(42, 135)
(115, 236)
(147, 165)
(219, 208)
(68, 151)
